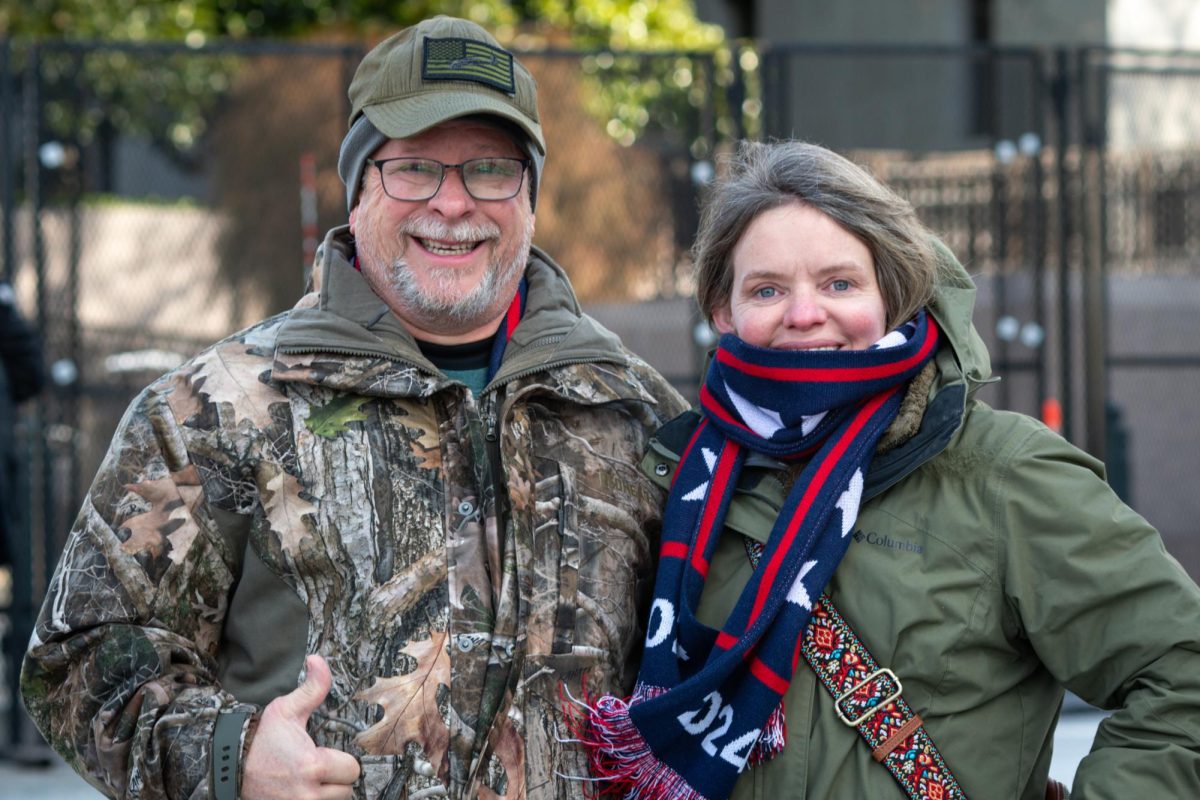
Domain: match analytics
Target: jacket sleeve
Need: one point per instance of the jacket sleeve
(1110, 614)
(121, 671)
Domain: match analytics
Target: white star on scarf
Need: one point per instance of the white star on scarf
(892, 339)
(798, 594)
(766, 422)
(808, 423)
(710, 458)
(849, 500)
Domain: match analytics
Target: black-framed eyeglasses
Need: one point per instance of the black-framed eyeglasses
(412, 179)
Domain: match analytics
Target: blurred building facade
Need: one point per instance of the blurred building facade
(858, 104)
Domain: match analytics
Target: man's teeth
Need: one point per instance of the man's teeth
(444, 249)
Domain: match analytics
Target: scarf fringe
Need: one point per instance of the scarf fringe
(772, 739)
(621, 762)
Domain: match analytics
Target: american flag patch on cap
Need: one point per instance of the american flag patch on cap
(468, 60)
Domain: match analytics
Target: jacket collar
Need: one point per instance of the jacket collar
(346, 329)
(965, 359)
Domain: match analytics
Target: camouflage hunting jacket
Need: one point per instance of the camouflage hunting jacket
(314, 485)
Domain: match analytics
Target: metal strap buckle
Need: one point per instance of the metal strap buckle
(879, 673)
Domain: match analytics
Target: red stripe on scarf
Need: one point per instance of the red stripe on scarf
(810, 493)
(725, 641)
(513, 317)
(673, 550)
(835, 374)
(716, 490)
(769, 677)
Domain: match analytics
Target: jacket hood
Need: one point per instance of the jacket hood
(963, 366)
(342, 315)
(966, 358)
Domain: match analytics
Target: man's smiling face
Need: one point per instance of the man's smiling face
(448, 266)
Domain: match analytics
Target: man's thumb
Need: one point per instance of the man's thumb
(309, 695)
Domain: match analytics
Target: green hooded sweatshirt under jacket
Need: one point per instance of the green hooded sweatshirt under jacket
(991, 565)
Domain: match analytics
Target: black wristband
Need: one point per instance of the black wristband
(226, 753)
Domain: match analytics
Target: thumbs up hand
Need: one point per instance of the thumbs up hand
(283, 762)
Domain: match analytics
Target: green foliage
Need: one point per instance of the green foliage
(169, 103)
(122, 20)
(331, 419)
(617, 24)
(629, 24)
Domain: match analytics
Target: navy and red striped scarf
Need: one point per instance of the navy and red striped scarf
(708, 702)
(512, 318)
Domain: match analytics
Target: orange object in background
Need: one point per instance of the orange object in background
(1052, 414)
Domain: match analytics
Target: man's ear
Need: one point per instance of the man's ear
(353, 215)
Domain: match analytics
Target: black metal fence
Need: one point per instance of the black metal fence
(1140, 111)
(157, 197)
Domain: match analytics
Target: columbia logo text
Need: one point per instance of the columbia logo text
(884, 540)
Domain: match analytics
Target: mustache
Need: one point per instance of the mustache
(425, 228)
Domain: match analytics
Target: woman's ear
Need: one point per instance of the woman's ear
(722, 319)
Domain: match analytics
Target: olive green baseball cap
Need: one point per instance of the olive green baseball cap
(439, 69)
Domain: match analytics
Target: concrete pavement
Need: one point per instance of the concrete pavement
(55, 782)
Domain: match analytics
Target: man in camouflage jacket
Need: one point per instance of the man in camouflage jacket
(325, 495)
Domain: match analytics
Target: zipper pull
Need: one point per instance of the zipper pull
(489, 416)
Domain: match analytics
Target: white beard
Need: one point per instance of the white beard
(435, 302)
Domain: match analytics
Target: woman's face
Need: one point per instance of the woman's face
(802, 282)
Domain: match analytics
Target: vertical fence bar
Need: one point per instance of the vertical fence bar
(29, 567)
(32, 91)
(1000, 277)
(69, 414)
(774, 92)
(19, 608)
(1092, 73)
(1115, 451)
(735, 94)
(7, 177)
(1061, 95)
(1038, 240)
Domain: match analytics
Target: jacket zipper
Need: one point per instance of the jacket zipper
(298, 350)
(490, 392)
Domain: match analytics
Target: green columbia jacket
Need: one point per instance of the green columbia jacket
(314, 485)
(990, 566)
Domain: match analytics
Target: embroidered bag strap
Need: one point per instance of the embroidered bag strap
(868, 698)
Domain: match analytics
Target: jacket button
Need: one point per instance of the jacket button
(465, 508)
(661, 469)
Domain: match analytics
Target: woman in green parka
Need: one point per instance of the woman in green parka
(980, 563)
